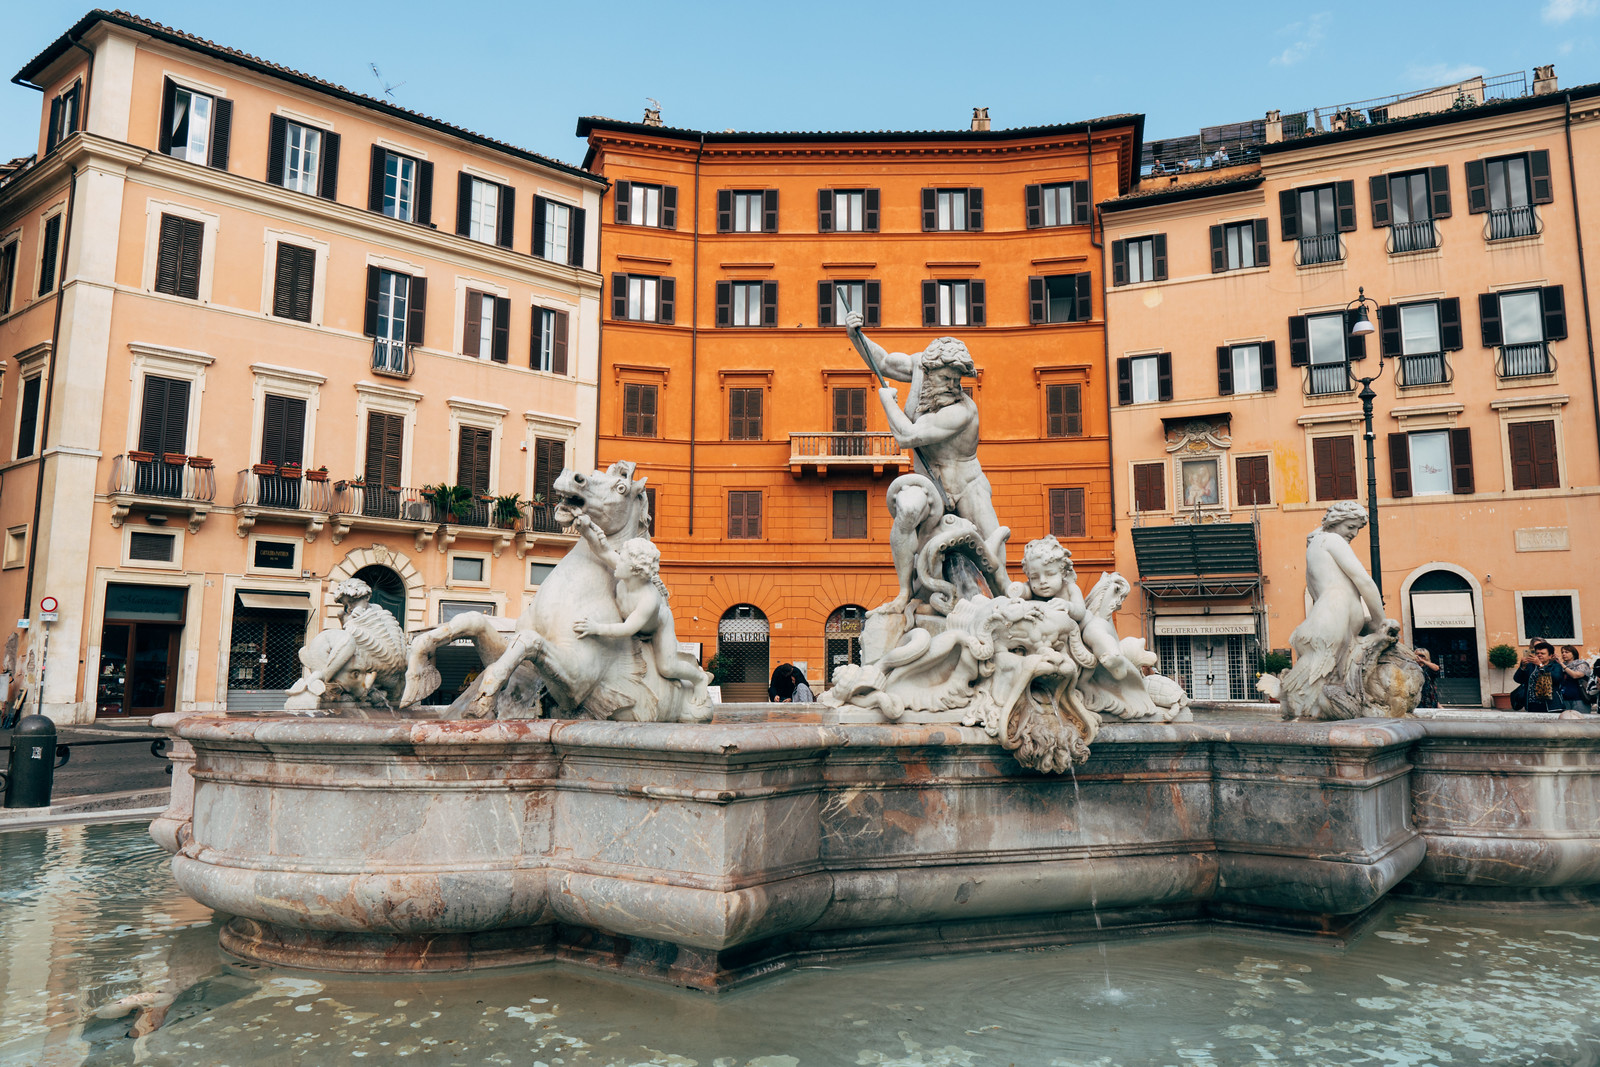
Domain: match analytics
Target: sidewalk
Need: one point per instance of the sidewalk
(111, 776)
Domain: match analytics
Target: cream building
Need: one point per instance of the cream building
(1238, 418)
(248, 318)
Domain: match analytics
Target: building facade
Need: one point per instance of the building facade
(732, 260)
(1238, 418)
(262, 334)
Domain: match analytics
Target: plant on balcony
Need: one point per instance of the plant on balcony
(450, 502)
(141, 457)
(265, 469)
(201, 463)
(177, 459)
(289, 470)
(508, 510)
(318, 475)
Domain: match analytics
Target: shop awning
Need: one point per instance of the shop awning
(1442, 611)
(272, 601)
(1201, 625)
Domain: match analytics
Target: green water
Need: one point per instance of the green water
(89, 916)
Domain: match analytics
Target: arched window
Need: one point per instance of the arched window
(742, 644)
(388, 590)
(841, 637)
(1444, 621)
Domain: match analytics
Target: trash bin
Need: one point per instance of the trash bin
(32, 771)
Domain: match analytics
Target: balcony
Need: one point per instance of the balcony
(1319, 248)
(162, 483)
(1430, 368)
(1413, 237)
(1506, 223)
(539, 527)
(285, 494)
(1328, 379)
(1525, 360)
(393, 508)
(392, 359)
(875, 452)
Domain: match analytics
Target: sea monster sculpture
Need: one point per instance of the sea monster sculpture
(361, 664)
(549, 664)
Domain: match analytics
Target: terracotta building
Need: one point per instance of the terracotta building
(1231, 304)
(247, 318)
(731, 260)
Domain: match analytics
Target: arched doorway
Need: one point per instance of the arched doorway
(388, 590)
(1444, 620)
(841, 638)
(742, 645)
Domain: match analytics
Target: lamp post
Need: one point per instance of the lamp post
(1361, 326)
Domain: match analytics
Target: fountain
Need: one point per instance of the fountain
(582, 802)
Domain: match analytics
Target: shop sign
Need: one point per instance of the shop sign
(1204, 625)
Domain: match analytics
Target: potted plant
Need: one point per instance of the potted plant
(318, 475)
(508, 510)
(177, 459)
(451, 503)
(141, 457)
(719, 667)
(265, 469)
(201, 463)
(1503, 658)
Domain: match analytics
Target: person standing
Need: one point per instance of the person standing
(1540, 677)
(1430, 679)
(1575, 671)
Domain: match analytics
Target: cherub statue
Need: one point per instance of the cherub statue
(1052, 580)
(366, 658)
(641, 599)
(1116, 685)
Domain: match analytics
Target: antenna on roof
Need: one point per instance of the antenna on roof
(388, 89)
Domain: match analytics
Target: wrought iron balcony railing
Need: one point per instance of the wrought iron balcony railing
(541, 518)
(1326, 379)
(1413, 236)
(1521, 361)
(392, 358)
(398, 502)
(1320, 248)
(291, 491)
(1430, 368)
(170, 476)
(1512, 222)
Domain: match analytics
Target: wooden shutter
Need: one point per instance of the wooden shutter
(575, 231)
(1519, 438)
(52, 134)
(549, 459)
(1545, 472)
(1555, 312)
(1450, 324)
(1164, 375)
(189, 259)
(28, 423)
(622, 194)
(744, 414)
(1224, 370)
(472, 458)
(1389, 330)
(8, 276)
(178, 257)
(1461, 480)
(1036, 300)
(1080, 203)
(825, 304)
(423, 216)
(293, 282)
(472, 328)
(930, 303)
(1067, 513)
(1289, 214)
(1299, 341)
(669, 207)
(769, 303)
(1344, 205)
(630, 410)
(647, 410)
(463, 204)
(1124, 380)
(380, 159)
(1150, 487)
(724, 210)
(974, 209)
(283, 429)
(1269, 366)
(558, 344)
(1344, 462)
(849, 513)
(1252, 481)
(164, 420)
(385, 440)
(975, 302)
(849, 410)
(328, 178)
(724, 292)
(1263, 246)
(1439, 192)
(1379, 185)
(500, 344)
(1322, 468)
(1489, 319)
(370, 320)
(619, 296)
(1119, 262)
(1084, 302)
(824, 210)
(222, 133)
(1033, 199)
(541, 208)
(666, 300)
(168, 252)
(1399, 465)
(744, 513)
(277, 145)
(1355, 347)
(1063, 411)
(930, 209)
(872, 294)
(869, 210)
(1477, 187)
(1219, 251)
(1539, 172)
(168, 100)
(769, 211)
(508, 217)
(735, 514)
(1160, 244)
(417, 311)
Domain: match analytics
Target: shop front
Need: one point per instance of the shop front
(139, 642)
(268, 631)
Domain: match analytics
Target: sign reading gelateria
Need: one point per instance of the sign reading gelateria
(1199, 625)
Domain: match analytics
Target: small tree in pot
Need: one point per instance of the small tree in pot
(1503, 658)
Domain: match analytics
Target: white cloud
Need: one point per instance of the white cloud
(1312, 31)
(1559, 11)
(1443, 73)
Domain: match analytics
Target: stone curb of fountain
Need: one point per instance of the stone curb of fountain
(131, 806)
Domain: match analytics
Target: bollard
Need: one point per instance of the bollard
(33, 763)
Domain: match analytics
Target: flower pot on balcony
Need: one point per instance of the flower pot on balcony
(265, 468)
(317, 476)
(142, 457)
(202, 463)
(289, 470)
(177, 459)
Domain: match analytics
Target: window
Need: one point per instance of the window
(1522, 324)
(849, 514)
(558, 231)
(642, 297)
(1552, 616)
(395, 317)
(1140, 259)
(28, 416)
(1315, 217)
(954, 303)
(847, 211)
(1060, 298)
(1057, 204)
(485, 211)
(849, 411)
(1252, 483)
(747, 211)
(952, 209)
(486, 331)
(283, 430)
(50, 253)
(8, 277)
(638, 410)
(549, 459)
(835, 300)
(163, 432)
(1067, 517)
(474, 458)
(744, 414)
(1323, 344)
(292, 282)
(1237, 245)
(650, 512)
(386, 434)
(401, 187)
(1144, 379)
(63, 117)
(1063, 405)
(1506, 189)
(1408, 204)
(1251, 368)
(468, 568)
(1418, 335)
(1430, 463)
(149, 547)
(178, 258)
(638, 204)
(747, 303)
(549, 340)
(744, 513)
(1534, 462)
(1150, 487)
(1333, 466)
(303, 158)
(16, 549)
(194, 126)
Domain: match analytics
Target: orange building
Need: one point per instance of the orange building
(725, 371)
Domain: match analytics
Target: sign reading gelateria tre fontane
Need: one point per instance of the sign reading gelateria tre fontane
(1200, 625)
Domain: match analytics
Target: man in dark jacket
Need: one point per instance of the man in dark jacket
(1540, 676)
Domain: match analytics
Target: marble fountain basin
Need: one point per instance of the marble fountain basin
(707, 855)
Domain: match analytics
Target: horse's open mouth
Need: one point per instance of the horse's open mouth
(568, 508)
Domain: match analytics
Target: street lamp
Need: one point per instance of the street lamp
(1355, 313)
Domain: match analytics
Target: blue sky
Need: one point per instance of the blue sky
(524, 72)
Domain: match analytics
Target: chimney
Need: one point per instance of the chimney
(980, 119)
(1274, 127)
(652, 116)
(1544, 80)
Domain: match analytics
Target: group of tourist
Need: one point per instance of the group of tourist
(1549, 679)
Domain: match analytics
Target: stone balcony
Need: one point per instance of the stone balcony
(162, 483)
(878, 453)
